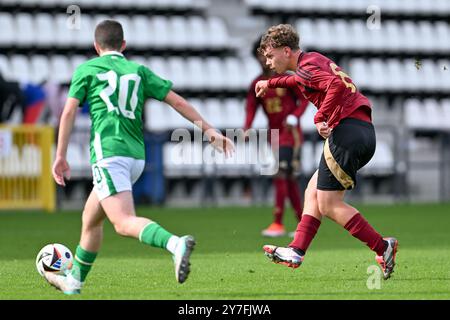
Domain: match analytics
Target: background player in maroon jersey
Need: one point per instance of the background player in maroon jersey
(344, 119)
(283, 109)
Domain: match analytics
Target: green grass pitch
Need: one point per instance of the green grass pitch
(228, 261)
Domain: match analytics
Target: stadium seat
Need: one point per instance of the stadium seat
(45, 30)
(427, 34)
(63, 36)
(159, 66)
(215, 73)
(358, 71)
(234, 112)
(39, 68)
(60, 69)
(412, 75)
(141, 31)
(445, 107)
(177, 72)
(215, 112)
(161, 36)
(343, 39)
(430, 75)
(392, 32)
(414, 113)
(252, 70)
(195, 68)
(409, 35)
(20, 68)
(196, 27)
(395, 72)
(25, 31)
(442, 30)
(378, 75)
(5, 68)
(217, 32)
(305, 29)
(179, 32)
(359, 34)
(433, 113)
(324, 34)
(7, 36)
(233, 71)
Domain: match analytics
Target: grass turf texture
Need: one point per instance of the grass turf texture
(228, 262)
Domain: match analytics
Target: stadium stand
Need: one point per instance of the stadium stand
(402, 66)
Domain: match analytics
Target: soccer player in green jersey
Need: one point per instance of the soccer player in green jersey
(116, 90)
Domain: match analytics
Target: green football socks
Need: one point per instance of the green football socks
(82, 263)
(155, 235)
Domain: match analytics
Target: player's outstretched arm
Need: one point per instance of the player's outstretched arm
(61, 169)
(184, 108)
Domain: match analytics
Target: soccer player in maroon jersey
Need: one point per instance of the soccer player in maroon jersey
(343, 119)
(283, 108)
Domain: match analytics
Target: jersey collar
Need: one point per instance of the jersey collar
(111, 53)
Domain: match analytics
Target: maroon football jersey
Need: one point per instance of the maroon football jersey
(278, 103)
(331, 90)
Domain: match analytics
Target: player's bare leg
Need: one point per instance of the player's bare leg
(120, 210)
(293, 255)
(332, 204)
(92, 224)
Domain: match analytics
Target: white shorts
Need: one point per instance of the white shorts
(115, 174)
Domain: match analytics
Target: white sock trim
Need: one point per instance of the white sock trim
(172, 244)
(140, 233)
(83, 262)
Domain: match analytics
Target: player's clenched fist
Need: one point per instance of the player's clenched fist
(261, 88)
(323, 129)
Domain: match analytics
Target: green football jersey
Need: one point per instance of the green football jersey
(116, 90)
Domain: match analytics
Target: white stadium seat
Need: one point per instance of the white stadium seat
(161, 36)
(217, 32)
(159, 66)
(20, 68)
(196, 28)
(39, 67)
(141, 31)
(45, 28)
(8, 34)
(195, 68)
(215, 73)
(60, 69)
(25, 31)
(179, 32)
(178, 74)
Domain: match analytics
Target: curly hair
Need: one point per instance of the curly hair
(282, 35)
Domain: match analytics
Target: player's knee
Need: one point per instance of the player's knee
(122, 228)
(326, 202)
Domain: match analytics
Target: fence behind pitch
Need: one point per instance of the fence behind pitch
(25, 168)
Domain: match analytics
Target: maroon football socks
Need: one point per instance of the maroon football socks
(362, 230)
(305, 233)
